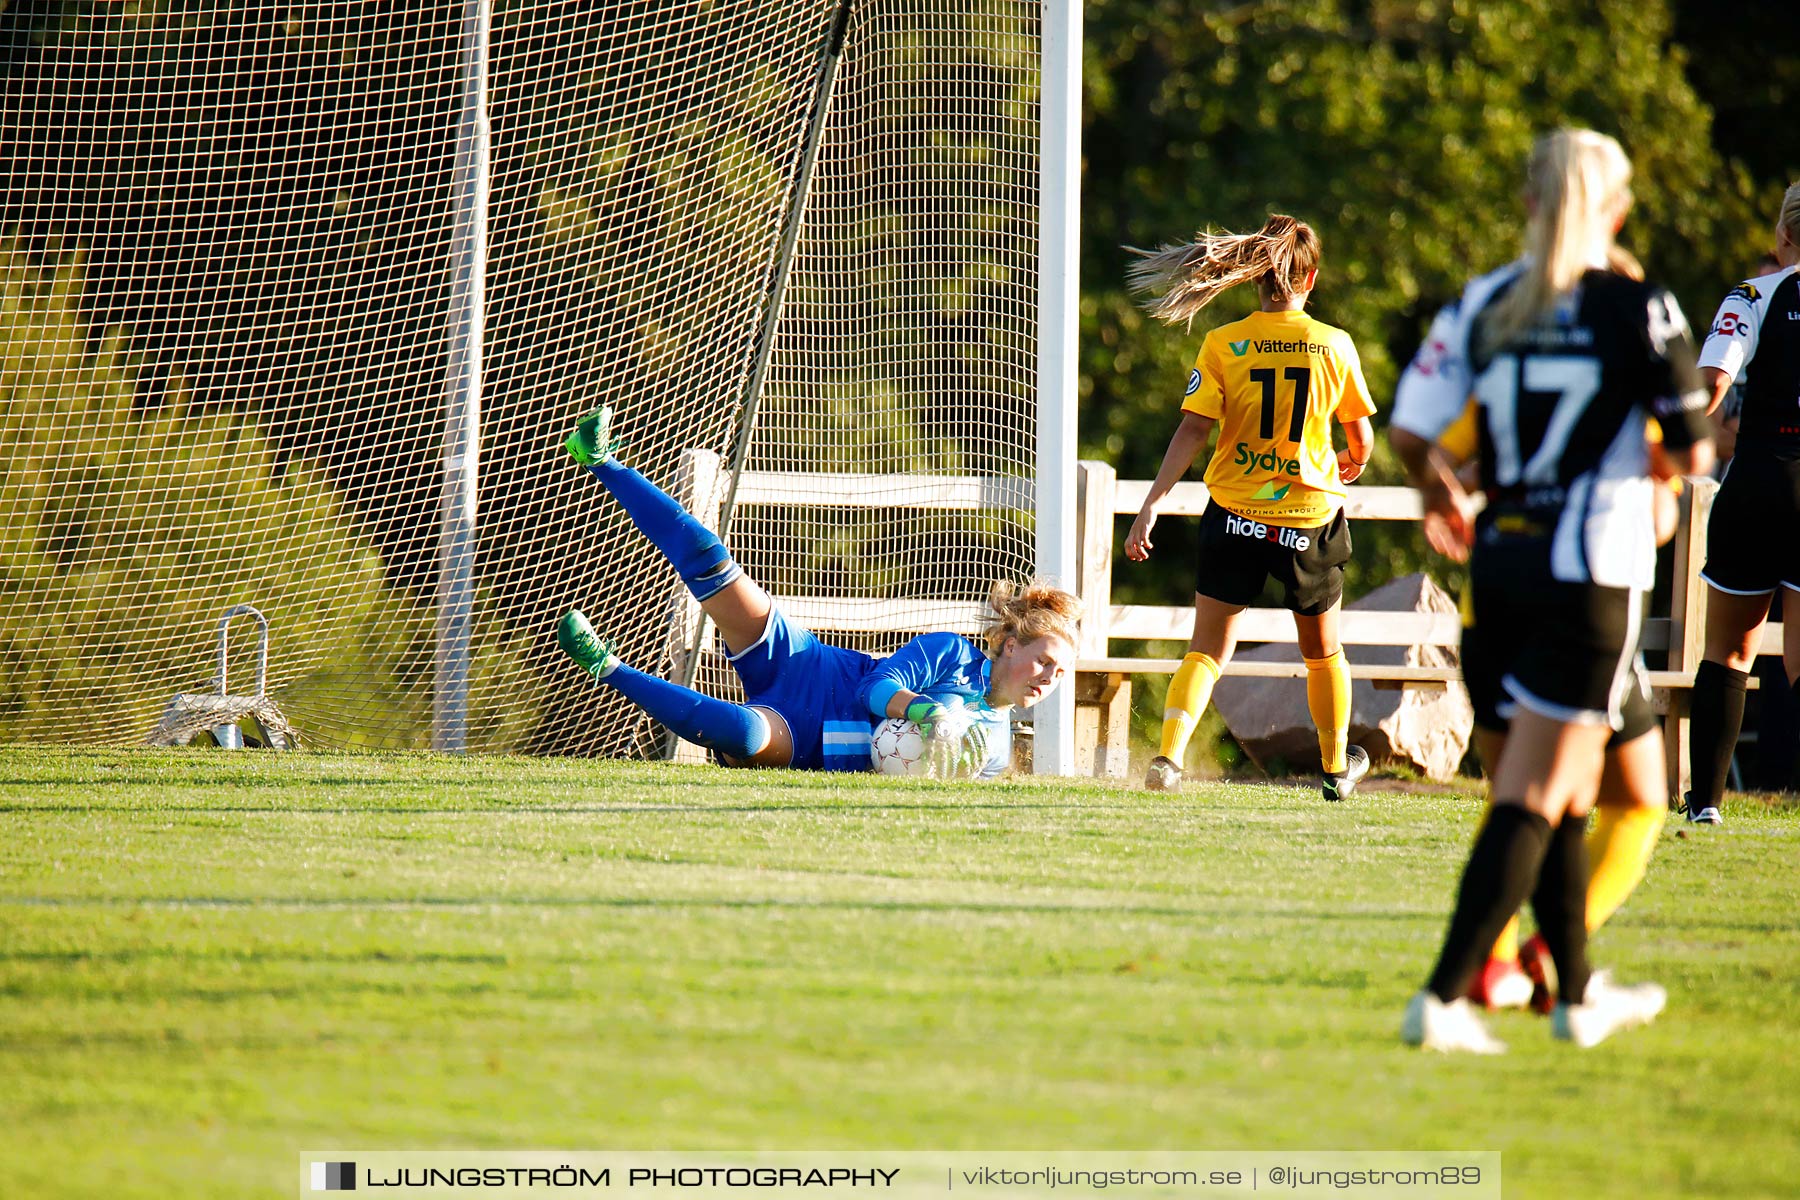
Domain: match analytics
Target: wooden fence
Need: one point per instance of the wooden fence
(1103, 682)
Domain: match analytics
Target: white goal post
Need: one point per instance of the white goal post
(1059, 305)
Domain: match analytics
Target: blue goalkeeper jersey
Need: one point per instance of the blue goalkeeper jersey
(832, 698)
(943, 667)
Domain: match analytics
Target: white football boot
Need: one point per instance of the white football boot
(1356, 765)
(1453, 1027)
(1607, 1008)
(1163, 776)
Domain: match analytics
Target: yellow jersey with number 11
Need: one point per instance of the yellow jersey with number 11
(1275, 381)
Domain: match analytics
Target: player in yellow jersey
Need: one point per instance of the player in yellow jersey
(1272, 384)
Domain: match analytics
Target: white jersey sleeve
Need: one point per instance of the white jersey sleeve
(1436, 385)
(1735, 330)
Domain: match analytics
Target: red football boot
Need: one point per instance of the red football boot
(1536, 963)
(1501, 984)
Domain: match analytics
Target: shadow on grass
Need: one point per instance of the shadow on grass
(549, 812)
(533, 810)
(1210, 911)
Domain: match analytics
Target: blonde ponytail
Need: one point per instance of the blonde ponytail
(1183, 279)
(1028, 613)
(1579, 184)
(1790, 213)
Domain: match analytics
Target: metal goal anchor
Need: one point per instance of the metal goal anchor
(192, 713)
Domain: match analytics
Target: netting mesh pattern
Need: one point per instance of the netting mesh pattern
(225, 246)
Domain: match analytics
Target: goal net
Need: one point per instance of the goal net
(226, 253)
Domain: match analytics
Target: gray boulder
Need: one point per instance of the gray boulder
(1426, 726)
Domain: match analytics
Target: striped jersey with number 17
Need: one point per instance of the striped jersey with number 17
(1562, 415)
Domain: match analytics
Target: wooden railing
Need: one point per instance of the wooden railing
(1679, 633)
(1103, 687)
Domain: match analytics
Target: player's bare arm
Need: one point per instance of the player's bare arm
(1717, 384)
(1190, 438)
(1449, 510)
(1359, 439)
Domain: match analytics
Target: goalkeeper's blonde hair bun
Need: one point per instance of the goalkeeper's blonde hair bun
(1028, 612)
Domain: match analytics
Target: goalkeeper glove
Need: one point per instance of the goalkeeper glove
(955, 738)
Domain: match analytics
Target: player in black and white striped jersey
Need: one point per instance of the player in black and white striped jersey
(1753, 536)
(1725, 413)
(1568, 354)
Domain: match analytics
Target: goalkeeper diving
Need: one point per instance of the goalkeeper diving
(810, 705)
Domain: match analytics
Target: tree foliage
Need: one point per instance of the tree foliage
(126, 530)
(1399, 129)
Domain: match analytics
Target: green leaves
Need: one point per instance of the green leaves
(1399, 129)
(127, 528)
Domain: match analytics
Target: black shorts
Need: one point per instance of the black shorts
(1568, 651)
(1239, 554)
(1753, 536)
(1484, 666)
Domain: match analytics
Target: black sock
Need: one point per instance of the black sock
(1716, 717)
(1793, 730)
(1778, 734)
(1560, 902)
(1503, 865)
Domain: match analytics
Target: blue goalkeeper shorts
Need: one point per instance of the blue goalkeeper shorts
(813, 686)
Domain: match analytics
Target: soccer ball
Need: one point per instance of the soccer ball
(899, 748)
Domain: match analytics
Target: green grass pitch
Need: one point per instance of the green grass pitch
(211, 961)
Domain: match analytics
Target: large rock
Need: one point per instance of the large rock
(1427, 727)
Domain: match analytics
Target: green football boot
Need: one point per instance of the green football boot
(577, 639)
(592, 442)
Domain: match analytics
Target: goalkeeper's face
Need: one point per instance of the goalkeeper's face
(1025, 672)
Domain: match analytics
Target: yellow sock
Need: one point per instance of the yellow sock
(1328, 699)
(1189, 692)
(1506, 946)
(1619, 847)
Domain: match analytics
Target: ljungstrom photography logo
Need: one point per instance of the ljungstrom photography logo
(334, 1177)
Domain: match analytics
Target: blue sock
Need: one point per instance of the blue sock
(716, 724)
(698, 555)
